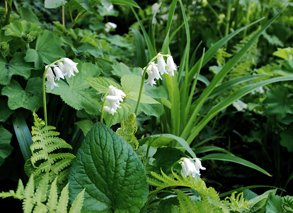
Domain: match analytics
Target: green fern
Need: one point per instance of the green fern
(186, 205)
(128, 129)
(207, 195)
(237, 203)
(44, 197)
(48, 152)
(287, 203)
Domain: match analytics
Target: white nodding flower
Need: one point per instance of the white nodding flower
(153, 73)
(240, 105)
(65, 67)
(161, 64)
(113, 100)
(50, 78)
(110, 26)
(171, 66)
(58, 73)
(191, 167)
(68, 67)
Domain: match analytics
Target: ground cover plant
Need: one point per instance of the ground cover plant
(145, 106)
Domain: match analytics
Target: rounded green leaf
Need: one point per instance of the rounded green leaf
(108, 169)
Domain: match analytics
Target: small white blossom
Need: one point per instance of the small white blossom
(64, 68)
(50, 78)
(68, 67)
(155, 10)
(161, 64)
(258, 90)
(171, 66)
(110, 26)
(240, 105)
(113, 99)
(153, 73)
(58, 73)
(191, 166)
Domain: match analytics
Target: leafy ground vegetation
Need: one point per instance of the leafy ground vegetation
(146, 106)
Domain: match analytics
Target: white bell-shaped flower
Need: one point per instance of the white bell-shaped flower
(171, 66)
(50, 78)
(109, 26)
(153, 73)
(240, 105)
(58, 73)
(113, 100)
(68, 67)
(191, 167)
(161, 64)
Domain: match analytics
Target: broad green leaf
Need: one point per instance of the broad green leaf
(258, 204)
(284, 53)
(131, 86)
(155, 110)
(5, 148)
(84, 125)
(5, 112)
(77, 93)
(287, 139)
(121, 69)
(274, 204)
(29, 98)
(130, 3)
(234, 159)
(279, 102)
(23, 29)
(110, 172)
(54, 3)
(101, 84)
(16, 66)
(48, 49)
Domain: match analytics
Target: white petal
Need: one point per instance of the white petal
(171, 66)
(161, 64)
(58, 73)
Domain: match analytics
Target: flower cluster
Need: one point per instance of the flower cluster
(109, 26)
(191, 166)
(155, 71)
(65, 67)
(240, 105)
(113, 99)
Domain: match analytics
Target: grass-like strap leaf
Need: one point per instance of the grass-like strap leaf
(234, 159)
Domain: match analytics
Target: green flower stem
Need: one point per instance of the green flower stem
(63, 15)
(44, 90)
(142, 81)
(102, 111)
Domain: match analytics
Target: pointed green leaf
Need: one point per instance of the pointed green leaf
(5, 148)
(110, 172)
(234, 159)
(51, 4)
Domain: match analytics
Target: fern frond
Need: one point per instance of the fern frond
(43, 197)
(185, 203)
(77, 203)
(50, 154)
(127, 131)
(63, 200)
(287, 203)
(52, 197)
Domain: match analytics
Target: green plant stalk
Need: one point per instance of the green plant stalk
(142, 83)
(63, 15)
(8, 8)
(228, 17)
(44, 90)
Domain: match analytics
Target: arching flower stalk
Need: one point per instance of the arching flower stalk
(155, 72)
(55, 71)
